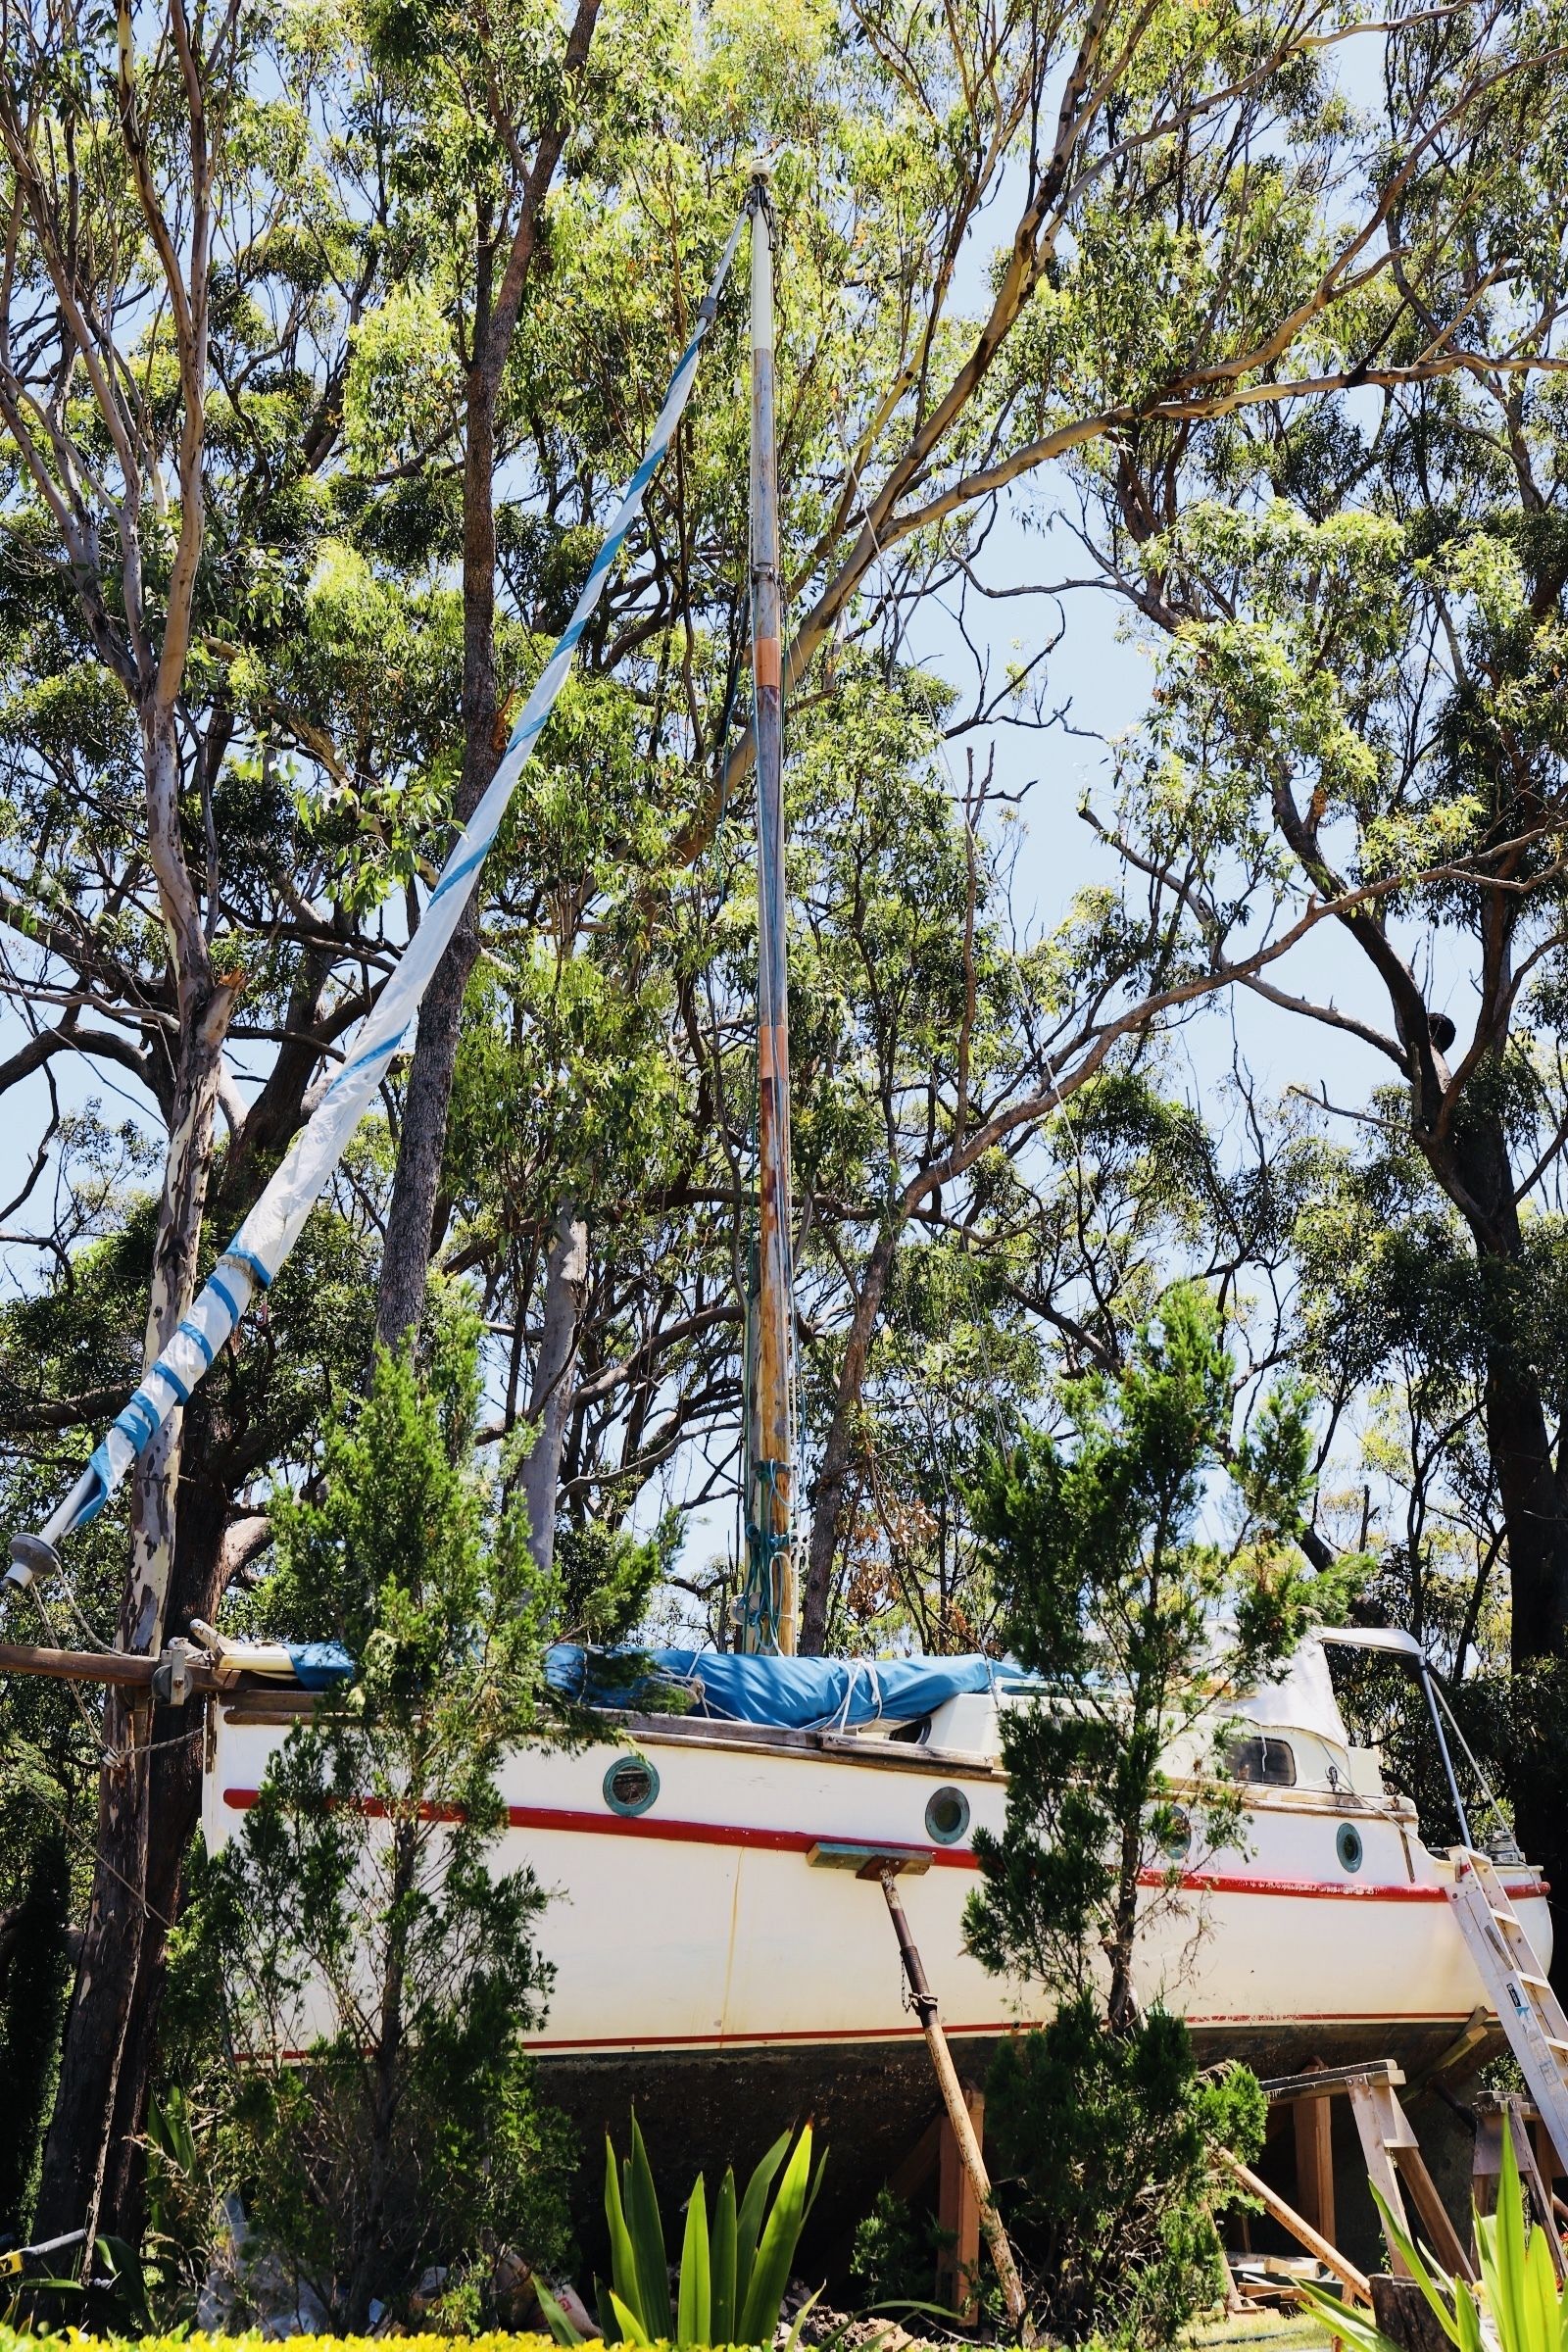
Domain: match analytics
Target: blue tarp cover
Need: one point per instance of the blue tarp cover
(801, 1694)
(319, 1664)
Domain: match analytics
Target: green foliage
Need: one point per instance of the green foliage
(353, 1920)
(1105, 2140)
(1519, 2306)
(732, 2275)
(34, 1983)
(490, 2340)
(890, 2260)
(1143, 1626)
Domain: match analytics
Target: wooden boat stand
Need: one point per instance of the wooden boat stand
(966, 2205)
(1394, 2166)
(1537, 2161)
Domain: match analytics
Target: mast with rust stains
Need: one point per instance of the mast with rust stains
(767, 1611)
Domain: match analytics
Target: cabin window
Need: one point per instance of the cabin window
(1263, 1762)
(947, 1816)
(631, 1785)
(1348, 1843)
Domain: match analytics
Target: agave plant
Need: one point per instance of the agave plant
(732, 2274)
(1518, 2307)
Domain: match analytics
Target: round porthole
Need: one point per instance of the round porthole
(630, 1785)
(947, 1816)
(1176, 1839)
(1348, 1845)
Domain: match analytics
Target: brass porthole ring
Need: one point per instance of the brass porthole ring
(631, 1784)
(947, 1816)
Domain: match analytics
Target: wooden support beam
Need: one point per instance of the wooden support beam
(1379, 2134)
(959, 2217)
(1440, 2234)
(1490, 2117)
(1313, 2120)
(917, 2167)
(1393, 2154)
(925, 2008)
(1354, 2281)
(1321, 2081)
(1536, 2188)
(127, 1669)
(117, 1666)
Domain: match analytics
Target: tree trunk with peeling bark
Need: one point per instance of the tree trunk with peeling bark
(838, 1453)
(416, 1180)
(80, 2152)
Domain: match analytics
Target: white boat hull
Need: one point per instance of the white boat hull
(702, 1927)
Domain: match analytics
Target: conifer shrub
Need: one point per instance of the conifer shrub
(1104, 2142)
(374, 1971)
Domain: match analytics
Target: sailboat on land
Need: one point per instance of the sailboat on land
(708, 1955)
(698, 1923)
(706, 1949)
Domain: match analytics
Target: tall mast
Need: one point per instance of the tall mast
(769, 1610)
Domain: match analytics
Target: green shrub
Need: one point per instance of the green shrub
(1102, 2144)
(892, 2260)
(357, 1915)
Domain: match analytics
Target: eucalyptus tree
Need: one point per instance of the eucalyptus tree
(910, 411)
(493, 100)
(212, 700)
(1361, 602)
(169, 277)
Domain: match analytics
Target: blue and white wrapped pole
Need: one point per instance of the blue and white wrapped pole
(252, 1260)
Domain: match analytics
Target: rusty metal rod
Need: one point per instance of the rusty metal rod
(952, 2098)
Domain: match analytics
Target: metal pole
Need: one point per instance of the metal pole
(771, 1463)
(952, 2098)
(1425, 1672)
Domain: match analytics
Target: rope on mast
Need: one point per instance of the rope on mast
(256, 1253)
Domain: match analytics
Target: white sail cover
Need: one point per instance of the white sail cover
(253, 1257)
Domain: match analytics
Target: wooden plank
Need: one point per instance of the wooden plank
(1536, 2188)
(1371, 2124)
(1344, 2270)
(959, 2217)
(1313, 2120)
(1486, 2164)
(1323, 2079)
(1442, 2235)
(129, 1672)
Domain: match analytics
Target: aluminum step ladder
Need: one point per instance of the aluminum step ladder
(1528, 2010)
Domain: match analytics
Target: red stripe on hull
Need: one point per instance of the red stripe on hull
(564, 1822)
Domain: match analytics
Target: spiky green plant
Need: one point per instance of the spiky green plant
(732, 2275)
(1518, 2306)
